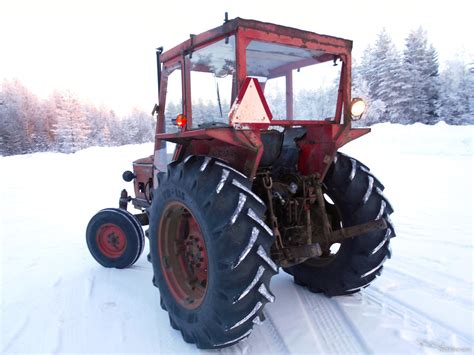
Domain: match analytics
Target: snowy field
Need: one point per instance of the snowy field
(56, 299)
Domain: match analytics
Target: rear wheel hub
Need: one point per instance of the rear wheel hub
(183, 255)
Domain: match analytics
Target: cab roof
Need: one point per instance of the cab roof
(263, 31)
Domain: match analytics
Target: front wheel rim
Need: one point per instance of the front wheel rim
(183, 255)
(111, 240)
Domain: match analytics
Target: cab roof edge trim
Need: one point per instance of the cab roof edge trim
(229, 28)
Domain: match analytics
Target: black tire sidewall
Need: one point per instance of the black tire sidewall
(138, 228)
(211, 191)
(169, 192)
(344, 274)
(129, 230)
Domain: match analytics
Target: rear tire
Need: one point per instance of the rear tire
(233, 242)
(115, 238)
(358, 197)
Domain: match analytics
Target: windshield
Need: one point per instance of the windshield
(298, 83)
(212, 78)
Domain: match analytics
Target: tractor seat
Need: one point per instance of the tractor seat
(272, 141)
(290, 152)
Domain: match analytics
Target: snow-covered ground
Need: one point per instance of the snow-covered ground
(56, 299)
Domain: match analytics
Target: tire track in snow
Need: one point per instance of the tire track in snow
(123, 332)
(419, 282)
(60, 320)
(446, 242)
(59, 340)
(336, 331)
(266, 332)
(269, 327)
(16, 334)
(413, 265)
(357, 335)
(58, 282)
(90, 283)
(308, 318)
(419, 317)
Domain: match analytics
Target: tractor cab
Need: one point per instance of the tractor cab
(228, 91)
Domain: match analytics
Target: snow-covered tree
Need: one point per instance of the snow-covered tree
(71, 128)
(277, 102)
(420, 79)
(3, 128)
(432, 85)
(145, 126)
(99, 122)
(363, 71)
(138, 127)
(316, 104)
(46, 119)
(457, 94)
(470, 86)
(116, 132)
(63, 122)
(381, 69)
(15, 125)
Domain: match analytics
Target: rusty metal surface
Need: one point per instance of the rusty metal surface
(318, 147)
(260, 30)
(304, 224)
(140, 204)
(143, 182)
(297, 254)
(357, 231)
(225, 134)
(142, 218)
(124, 199)
(268, 184)
(294, 255)
(242, 149)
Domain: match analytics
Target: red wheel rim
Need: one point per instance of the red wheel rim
(183, 255)
(111, 240)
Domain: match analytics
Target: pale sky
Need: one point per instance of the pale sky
(105, 50)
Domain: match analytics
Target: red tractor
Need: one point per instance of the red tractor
(255, 182)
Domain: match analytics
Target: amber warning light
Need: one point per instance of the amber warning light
(180, 120)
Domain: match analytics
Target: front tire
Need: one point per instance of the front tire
(210, 252)
(115, 238)
(358, 198)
